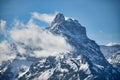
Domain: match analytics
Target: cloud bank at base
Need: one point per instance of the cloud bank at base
(34, 36)
(5, 52)
(42, 41)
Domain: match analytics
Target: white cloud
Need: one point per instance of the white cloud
(2, 26)
(48, 18)
(34, 36)
(18, 24)
(43, 17)
(112, 44)
(5, 52)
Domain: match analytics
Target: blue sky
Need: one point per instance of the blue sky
(100, 17)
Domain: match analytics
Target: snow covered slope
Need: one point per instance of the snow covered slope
(84, 61)
(109, 50)
(112, 54)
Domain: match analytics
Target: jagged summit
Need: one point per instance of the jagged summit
(69, 27)
(59, 18)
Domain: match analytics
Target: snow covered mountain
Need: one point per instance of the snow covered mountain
(84, 62)
(110, 50)
(112, 54)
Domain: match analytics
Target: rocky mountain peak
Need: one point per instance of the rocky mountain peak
(59, 18)
(69, 27)
(85, 62)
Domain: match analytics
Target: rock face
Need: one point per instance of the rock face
(76, 36)
(58, 19)
(85, 62)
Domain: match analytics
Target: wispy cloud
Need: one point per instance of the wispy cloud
(112, 44)
(5, 52)
(34, 36)
(2, 26)
(48, 18)
(44, 17)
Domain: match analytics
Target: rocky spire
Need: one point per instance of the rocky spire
(59, 18)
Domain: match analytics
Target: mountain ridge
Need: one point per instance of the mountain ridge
(85, 62)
